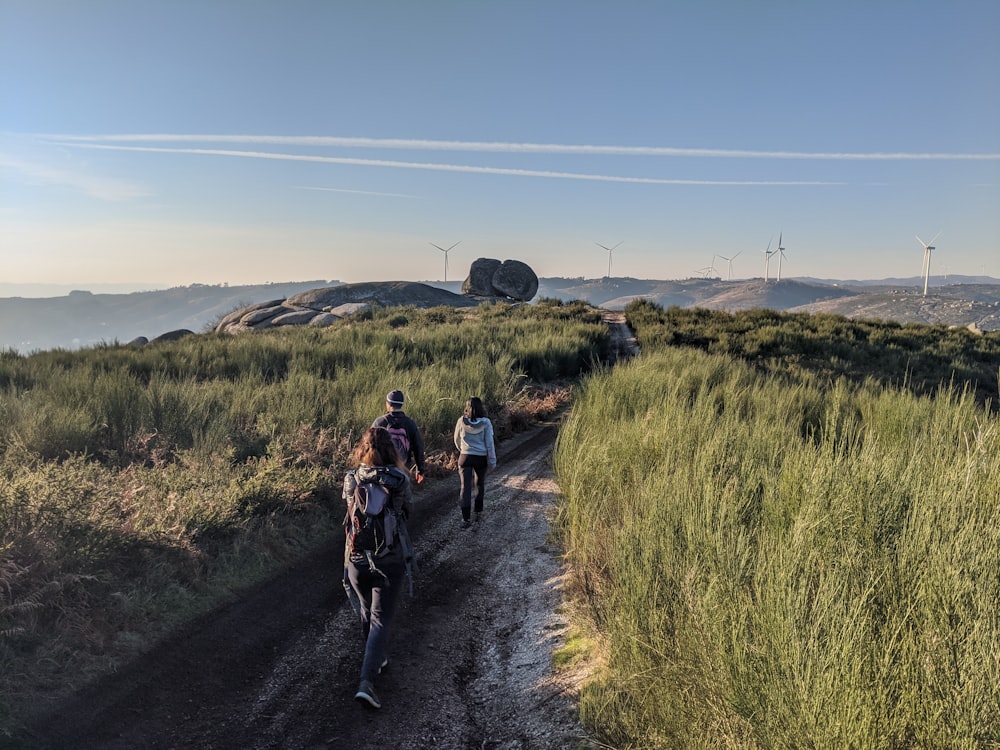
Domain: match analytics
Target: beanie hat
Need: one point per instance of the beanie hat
(395, 398)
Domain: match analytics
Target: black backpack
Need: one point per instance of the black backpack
(372, 525)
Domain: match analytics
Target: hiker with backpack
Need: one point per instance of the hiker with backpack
(405, 434)
(377, 553)
(477, 455)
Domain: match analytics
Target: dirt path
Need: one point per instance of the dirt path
(623, 342)
(470, 652)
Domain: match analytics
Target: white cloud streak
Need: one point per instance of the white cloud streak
(517, 148)
(435, 166)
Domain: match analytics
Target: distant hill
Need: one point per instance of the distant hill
(85, 319)
(82, 318)
(958, 304)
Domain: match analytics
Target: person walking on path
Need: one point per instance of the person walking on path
(376, 570)
(477, 454)
(406, 435)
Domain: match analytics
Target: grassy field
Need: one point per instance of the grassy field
(767, 555)
(140, 487)
(783, 530)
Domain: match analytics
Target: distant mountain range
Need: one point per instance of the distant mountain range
(82, 318)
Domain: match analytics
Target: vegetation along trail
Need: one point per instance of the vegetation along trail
(470, 652)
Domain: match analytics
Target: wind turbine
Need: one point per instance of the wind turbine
(730, 262)
(781, 254)
(713, 272)
(926, 268)
(609, 249)
(446, 256)
(767, 258)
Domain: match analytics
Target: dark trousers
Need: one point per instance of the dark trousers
(472, 470)
(378, 595)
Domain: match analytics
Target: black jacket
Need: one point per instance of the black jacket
(399, 419)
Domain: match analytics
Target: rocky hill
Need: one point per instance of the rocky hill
(84, 319)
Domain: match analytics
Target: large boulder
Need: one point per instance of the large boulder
(479, 282)
(516, 280)
(261, 314)
(510, 279)
(322, 320)
(294, 318)
(236, 316)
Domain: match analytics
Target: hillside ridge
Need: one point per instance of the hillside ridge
(81, 318)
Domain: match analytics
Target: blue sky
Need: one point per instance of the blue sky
(156, 144)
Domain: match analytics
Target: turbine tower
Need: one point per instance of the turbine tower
(781, 254)
(710, 271)
(767, 258)
(609, 249)
(729, 277)
(446, 256)
(926, 268)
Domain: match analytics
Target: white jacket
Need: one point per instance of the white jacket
(475, 438)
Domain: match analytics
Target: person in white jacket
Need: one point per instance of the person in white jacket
(477, 454)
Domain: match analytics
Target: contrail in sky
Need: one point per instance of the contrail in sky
(432, 166)
(525, 148)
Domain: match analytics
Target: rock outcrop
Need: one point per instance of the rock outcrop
(324, 306)
(173, 335)
(488, 279)
(510, 279)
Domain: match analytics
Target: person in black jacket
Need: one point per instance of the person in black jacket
(395, 420)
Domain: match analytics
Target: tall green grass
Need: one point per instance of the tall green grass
(200, 392)
(142, 486)
(773, 561)
(919, 358)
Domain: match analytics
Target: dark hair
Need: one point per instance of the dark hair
(376, 449)
(474, 408)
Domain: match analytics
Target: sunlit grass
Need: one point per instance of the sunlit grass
(782, 564)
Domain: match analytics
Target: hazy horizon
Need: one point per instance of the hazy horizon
(45, 291)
